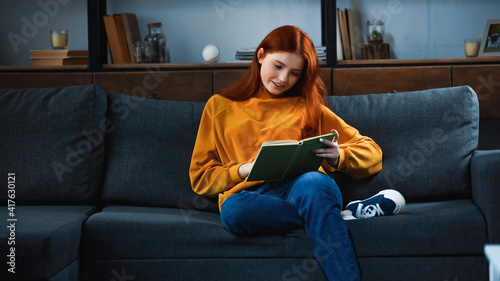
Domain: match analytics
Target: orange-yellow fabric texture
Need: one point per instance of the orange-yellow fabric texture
(231, 132)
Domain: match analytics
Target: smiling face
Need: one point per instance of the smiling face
(279, 71)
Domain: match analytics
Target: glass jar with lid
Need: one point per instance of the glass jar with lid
(156, 42)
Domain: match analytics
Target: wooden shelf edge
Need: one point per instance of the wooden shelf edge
(219, 65)
(48, 67)
(176, 65)
(421, 61)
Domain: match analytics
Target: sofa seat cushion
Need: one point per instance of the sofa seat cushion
(423, 229)
(47, 240)
(447, 228)
(130, 232)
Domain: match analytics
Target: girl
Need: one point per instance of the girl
(282, 98)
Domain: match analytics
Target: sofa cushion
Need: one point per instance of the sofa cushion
(241, 269)
(427, 138)
(129, 232)
(423, 229)
(148, 153)
(47, 241)
(52, 140)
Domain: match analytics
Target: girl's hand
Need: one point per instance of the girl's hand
(332, 152)
(244, 170)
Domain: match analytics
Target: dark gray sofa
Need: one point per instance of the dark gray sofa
(101, 192)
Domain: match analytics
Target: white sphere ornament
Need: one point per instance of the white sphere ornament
(211, 53)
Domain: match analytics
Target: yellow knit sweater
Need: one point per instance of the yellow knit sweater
(231, 132)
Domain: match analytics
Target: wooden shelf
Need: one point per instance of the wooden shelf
(139, 66)
(36, 68)
(420, 61)
(219, 65)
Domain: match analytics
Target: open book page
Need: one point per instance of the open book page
(283, 158)
(272, 162)
(304, 159)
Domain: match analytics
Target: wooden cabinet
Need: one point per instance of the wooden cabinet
(15, 80)
(201, 84)
(485, 80)
(224, 78)
(376, 80)
(168, 85)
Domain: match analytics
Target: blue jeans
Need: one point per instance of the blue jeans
(311, 200)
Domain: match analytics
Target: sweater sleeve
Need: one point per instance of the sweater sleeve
(360, 156)
(208, 174)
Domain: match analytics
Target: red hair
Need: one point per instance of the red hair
(309, 87)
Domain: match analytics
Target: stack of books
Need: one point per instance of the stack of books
(246, 54)
(59, 57)
(321, 51)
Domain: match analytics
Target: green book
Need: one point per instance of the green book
(281, 159)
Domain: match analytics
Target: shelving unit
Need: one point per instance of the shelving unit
(175, 80)
(400, 62)
(98, 51)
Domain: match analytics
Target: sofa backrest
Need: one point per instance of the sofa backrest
(149, 144)
(427, 138)
(52, 141)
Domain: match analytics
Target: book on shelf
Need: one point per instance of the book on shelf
(60, 61)
(132, 33)
(246, 54)
(59, 57)
(321, 52)
(281, 159)
(122, 31)
(58, 53)
(344, 34)
(340, 51)
(351, 34)
(355, 33)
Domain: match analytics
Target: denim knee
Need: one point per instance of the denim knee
(317, 186)
(231, 216)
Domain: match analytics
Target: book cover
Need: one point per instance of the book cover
(122, 38)
(132, 33)
(340, 51)
(355, 33)
(113, 40)
(344, 34)
(280, 159)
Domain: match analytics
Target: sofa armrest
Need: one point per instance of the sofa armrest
(485, 182)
